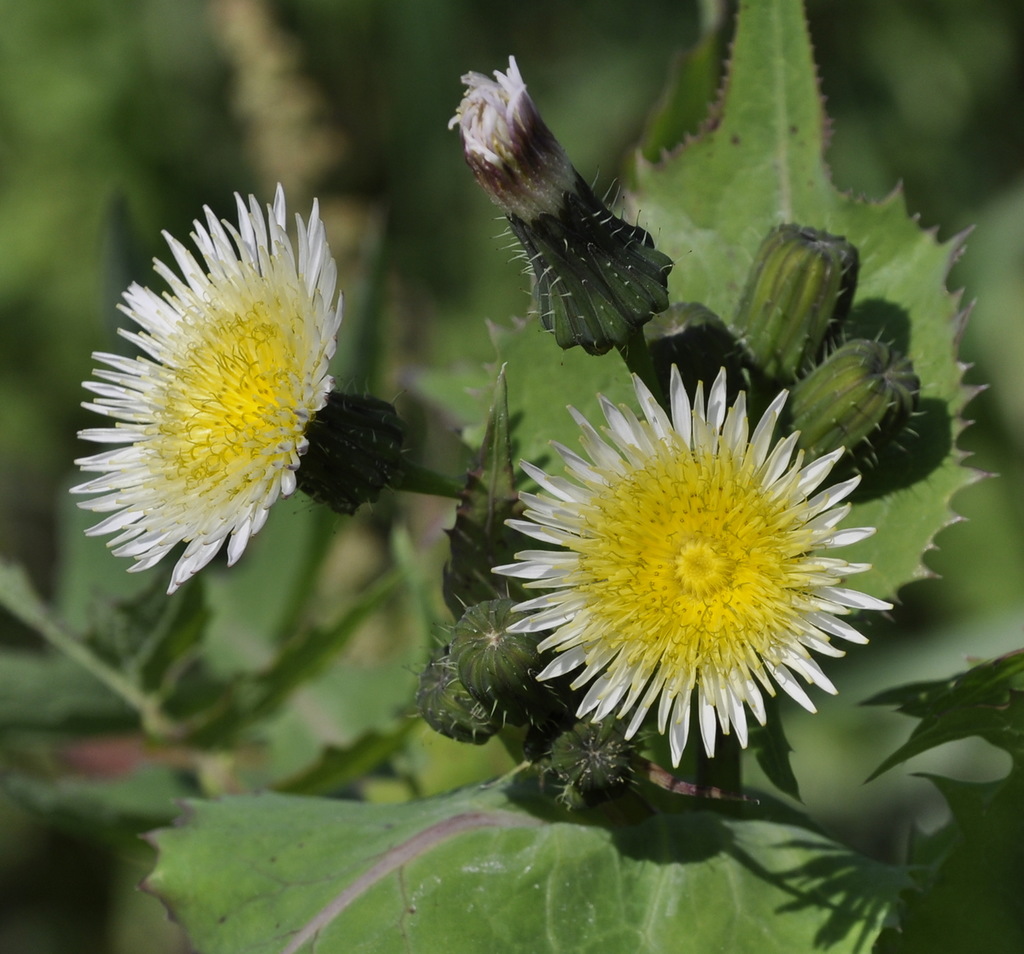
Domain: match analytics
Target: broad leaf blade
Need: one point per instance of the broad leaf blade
(475, 871)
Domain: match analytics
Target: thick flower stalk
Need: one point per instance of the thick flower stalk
(214, 413)
(693, 560)
(598, 278)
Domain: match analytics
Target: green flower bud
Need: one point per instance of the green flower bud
(598, 278)
(798, 292)
(498, 668)
(863, 391)
(448, 708)
(593, 761)
(355, 450)
(695, 340)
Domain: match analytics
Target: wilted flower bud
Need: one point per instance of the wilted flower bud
(598, 278)
(798, 291)
(355, 450)
(863, 391)
(498, 668)
(448, 708)
(593, 761)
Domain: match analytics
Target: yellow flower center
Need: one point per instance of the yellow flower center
(234, 405)
(690, 558)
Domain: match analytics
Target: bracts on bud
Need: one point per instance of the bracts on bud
(355, 450)
(598, 278)
(864, 392)
(799, 290)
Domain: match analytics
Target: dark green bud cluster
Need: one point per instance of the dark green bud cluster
(488, 674)
(448, 708)
(355, 450)
(593, 762)
(499, 668)
(484, 678)
(694, 339)
(798, 292)
(863, 392)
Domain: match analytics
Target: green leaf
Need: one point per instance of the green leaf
(338, 767)
(475, 870)
(710, 205)
(986, 701)
(693, 82)
(480, 539)
(305, 655)
(971, 899)
(115, 810)
(47, 692)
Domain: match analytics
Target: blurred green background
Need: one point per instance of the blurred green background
(119, 118)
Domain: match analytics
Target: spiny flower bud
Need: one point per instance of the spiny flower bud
(863, 391)
(598, 278)
(798, 291)
(593, 761)
(448, 708)
(498, 668)
(694, 339)
(355, 450)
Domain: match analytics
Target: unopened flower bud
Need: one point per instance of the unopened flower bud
(864, 391)
(355, 450)
(798, 291)
(593, 761)
(499, 668)
(448, 708)
(598, 278)
(694, 339)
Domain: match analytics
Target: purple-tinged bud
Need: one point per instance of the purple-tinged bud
(598, 278)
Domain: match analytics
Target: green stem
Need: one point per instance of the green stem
(421, 480)
(637, 356)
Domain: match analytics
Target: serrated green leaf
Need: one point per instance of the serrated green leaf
(479, 538)
(691, 87)
(986, 701)
(543, 380)
(710, 205)
(476, 870)
(971, 899)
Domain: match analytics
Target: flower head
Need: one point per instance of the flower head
(692, 560)
(214, 412)
(513, 154)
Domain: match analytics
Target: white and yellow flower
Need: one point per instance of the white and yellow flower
(692, 561)
(214, 412)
